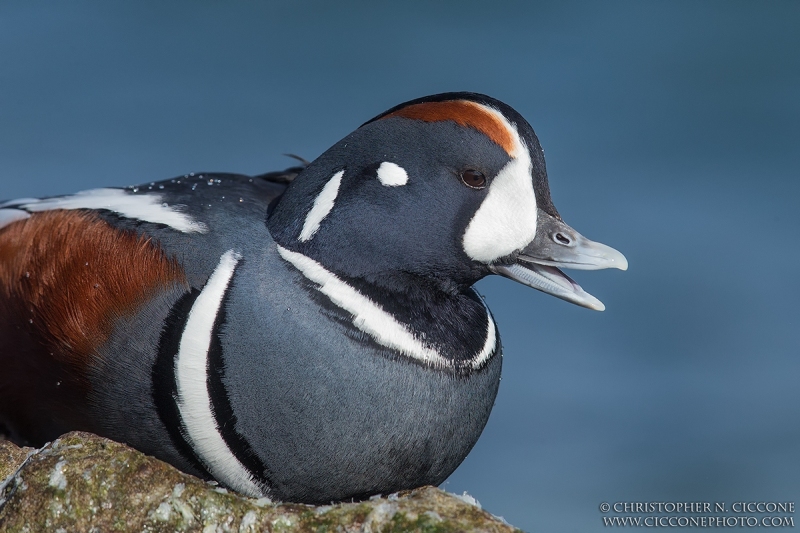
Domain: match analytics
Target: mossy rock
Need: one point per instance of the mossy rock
(82, 482)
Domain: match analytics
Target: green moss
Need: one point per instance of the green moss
(11, 457)
(82, 482)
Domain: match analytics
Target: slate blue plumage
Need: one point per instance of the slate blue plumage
(342, 349)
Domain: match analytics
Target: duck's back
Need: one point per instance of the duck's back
(170, 320)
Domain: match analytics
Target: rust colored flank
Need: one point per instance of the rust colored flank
(67, 276)
(464, 113)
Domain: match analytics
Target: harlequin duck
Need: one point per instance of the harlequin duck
(307, 336)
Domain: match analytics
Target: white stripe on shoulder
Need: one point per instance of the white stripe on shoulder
(367, 315)
(145, 207)
(322, 206)
(194, 403)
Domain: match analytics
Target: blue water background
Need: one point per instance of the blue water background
(671, 130)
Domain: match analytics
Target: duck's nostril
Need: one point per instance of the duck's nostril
(561, 238)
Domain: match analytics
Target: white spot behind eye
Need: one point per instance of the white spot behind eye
(392, 175)
(322, 206)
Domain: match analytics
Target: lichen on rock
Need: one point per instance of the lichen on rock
(82, 482)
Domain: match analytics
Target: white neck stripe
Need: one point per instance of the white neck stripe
(490, 345)
(144, 207)
(191, 379)
(370, 318)
(322, 206)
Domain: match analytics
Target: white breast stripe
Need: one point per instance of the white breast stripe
(194, 403)
(322, 206)
(7, 216)
(506, 220)
(144, 207)
(392, 175)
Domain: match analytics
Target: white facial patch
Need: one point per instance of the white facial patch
(392, 175)
(506, 220)
(144, 207)
(191, 379)
(322, 206)
(370, 318)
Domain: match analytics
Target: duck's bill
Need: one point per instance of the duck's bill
(559, 246)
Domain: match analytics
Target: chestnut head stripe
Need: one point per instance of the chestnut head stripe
(467, 114)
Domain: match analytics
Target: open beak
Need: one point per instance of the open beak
(558, 246)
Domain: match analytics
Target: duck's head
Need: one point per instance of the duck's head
(444, 189)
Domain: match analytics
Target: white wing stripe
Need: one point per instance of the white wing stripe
(7, 216)
(144, 207)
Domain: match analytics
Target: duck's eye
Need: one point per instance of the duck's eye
(474, 179)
